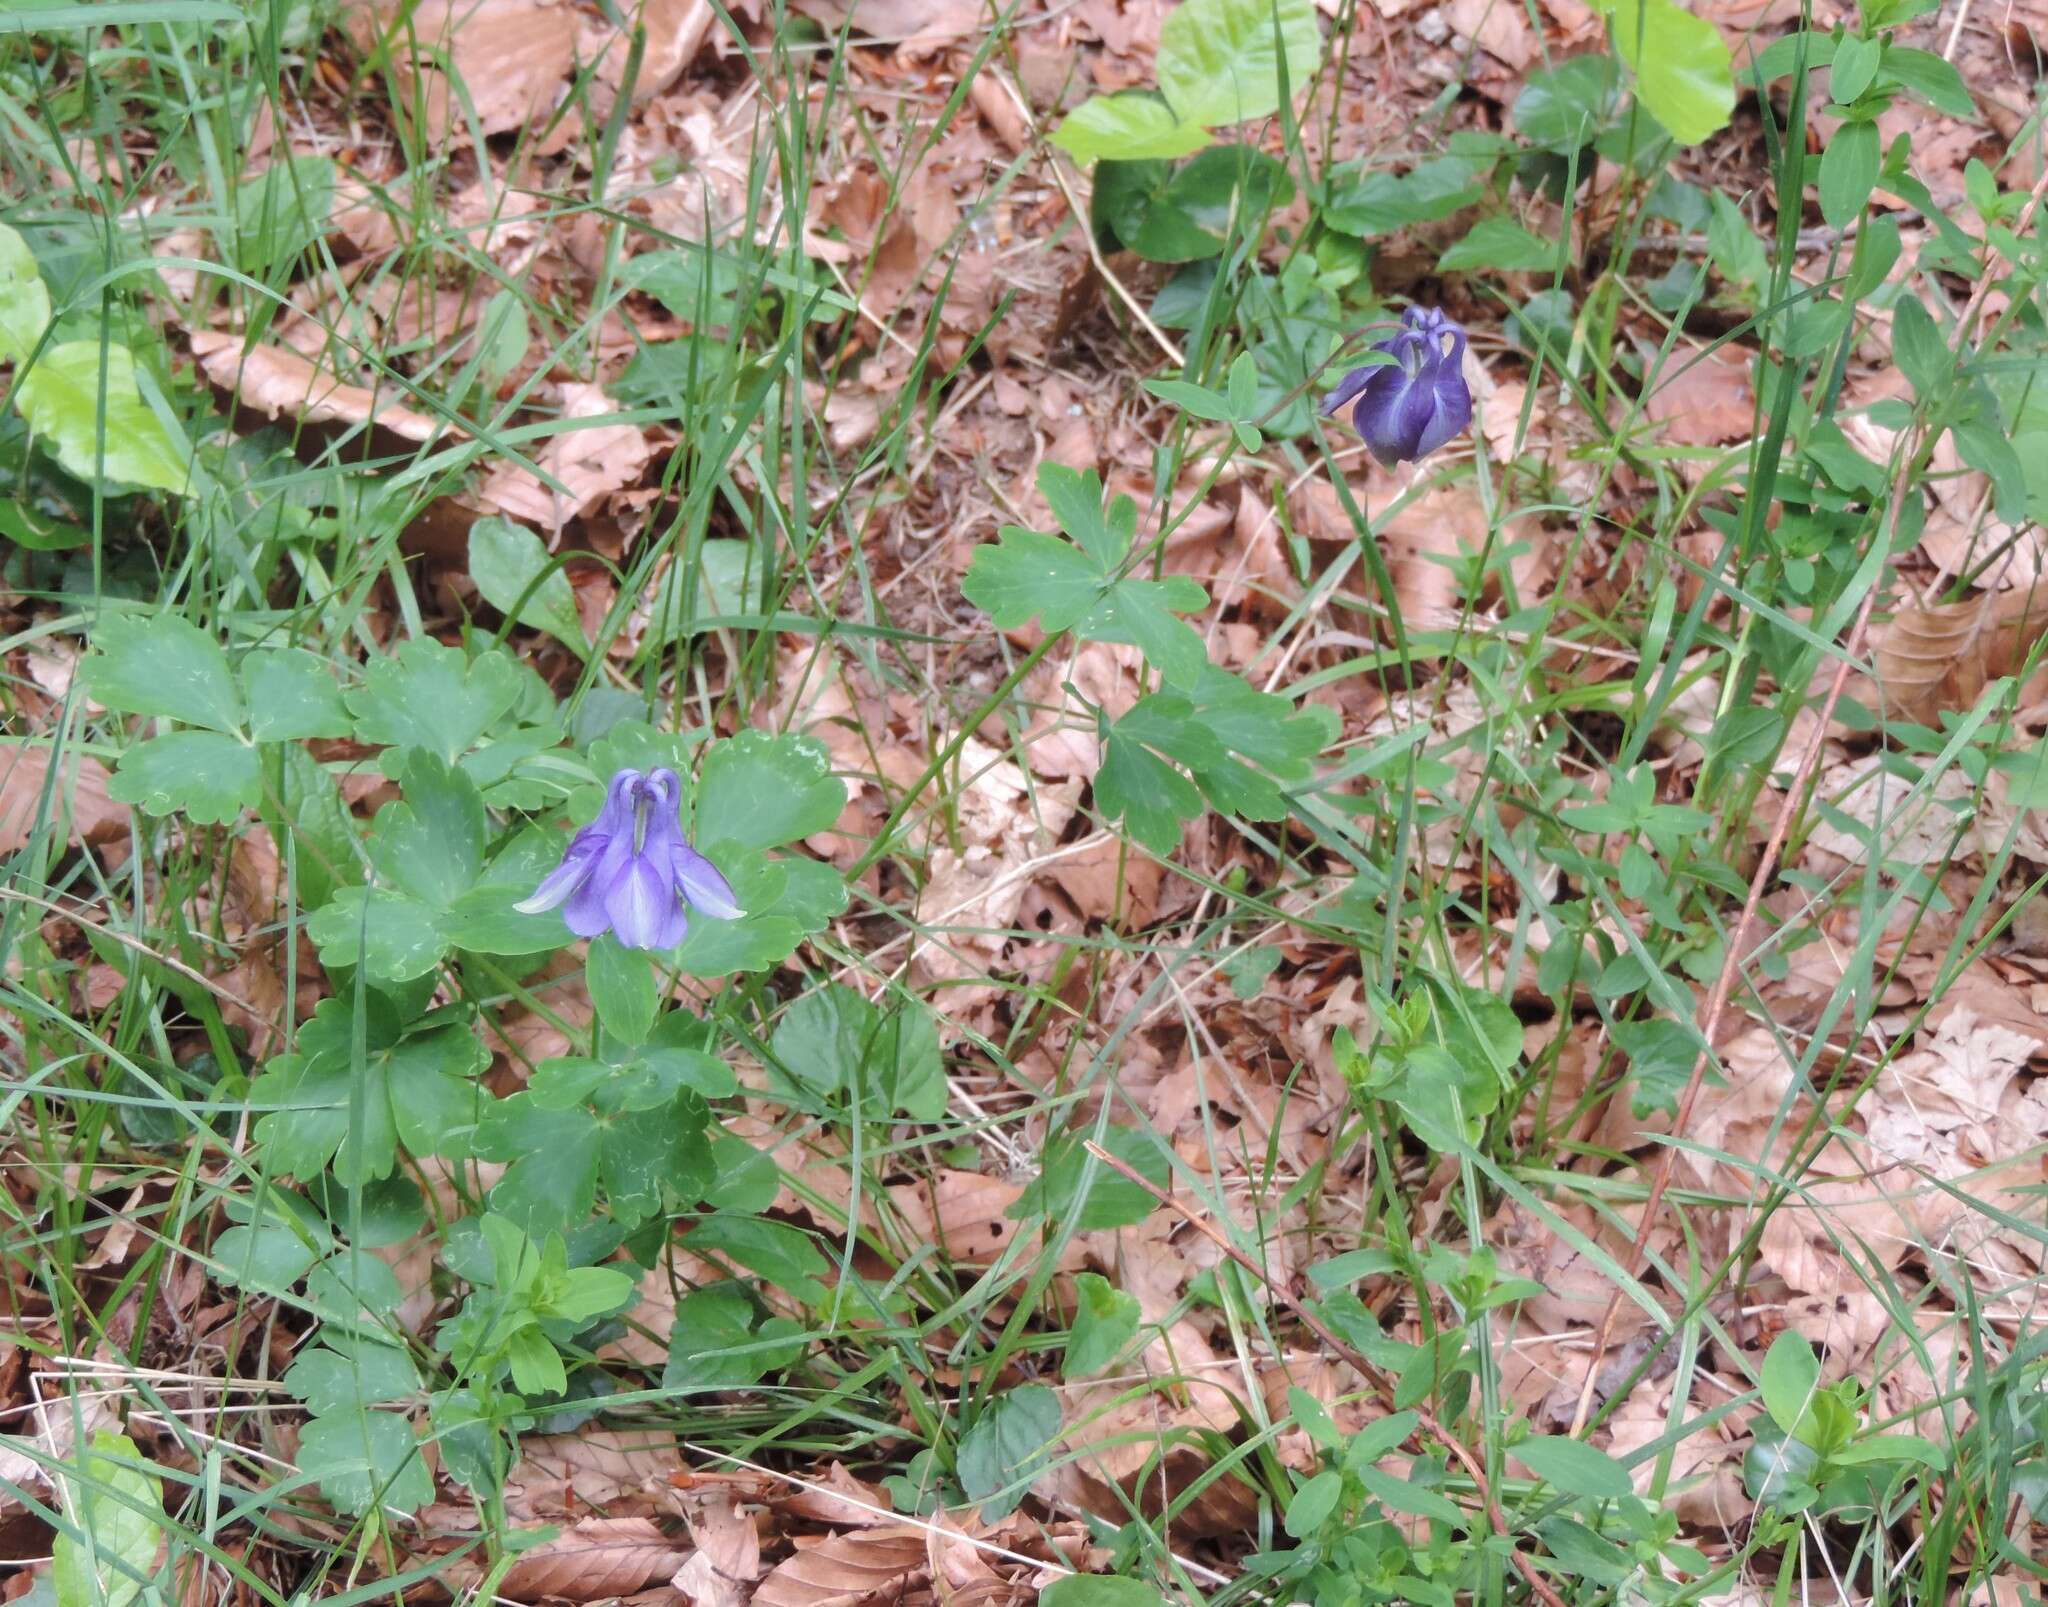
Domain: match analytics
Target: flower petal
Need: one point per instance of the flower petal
(645, 912)
(585, 912)
(1347, 389)
(704, 886)
(1381, 417)
(563, 880)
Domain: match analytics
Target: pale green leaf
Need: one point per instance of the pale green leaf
(116, 1507)
(206, 776)
(24, 299)
(99, 431)
(1131, 127)
(1220, 61)
(512, 570)
(1685, 76)
(162, 665)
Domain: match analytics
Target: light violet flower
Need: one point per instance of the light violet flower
(630, 873)
(1408, 408)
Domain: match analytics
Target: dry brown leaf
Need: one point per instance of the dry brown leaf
(596, 1468)
(508, 59)
(675, 31)
(77, 805)
(591, 463)
(1941, 657)
(728, 1555)
(594, 1560)
(1705, 399)
(1497, 26)
(285, 385)
(844, 1568)
(960, 1213)
(920, 25)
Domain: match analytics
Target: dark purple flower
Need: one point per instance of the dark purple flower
(630, 873)
(1408, 408)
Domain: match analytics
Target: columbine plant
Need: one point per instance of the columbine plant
(1408, 408)
(629, 872)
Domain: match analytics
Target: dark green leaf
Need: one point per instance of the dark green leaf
(1005, 1448)
(163, 665)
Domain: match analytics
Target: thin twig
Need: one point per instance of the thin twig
(1383, 1386)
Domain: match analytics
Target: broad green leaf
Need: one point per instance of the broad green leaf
(1848, 173)
(785, 1256)
(1077, 1191)
(1310, 1506)
(786, 900)
(344, 1372)
(281, 213)
(292, 695)
(732, 578)
(1573, 1467)
(429, 844)
(1892, 1448)
(1499, 243)
(621, 983)
(551, 1184)
(1734, 245)
(1918, 348)
(99, 430)
(642, 1154)
(758, 790)
(1005, 1448)
(1075, 587)
(1382, 202)
(512, 570)
(1685, 75)
(1131, 127)
(117, 1506)
(1099, 1590)
(366, 1458)
(433, 697)
(841, 1047)
(1930, 77)
(1562, 108)
(24, 299)
(421, 1089)
(1221, 61)
(1790, 1376)
(162, 665)
(393, 936)
(207, 777)
(1418, 1500)
(1105, 1322)
(1149, 796)
(721, 1341)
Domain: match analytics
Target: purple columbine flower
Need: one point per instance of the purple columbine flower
(629, 871)
(1408, 408)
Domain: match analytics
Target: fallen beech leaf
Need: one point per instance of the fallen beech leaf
(727, 1558)
(844, 1568)
(285, 385)
(596, 1559)
(1930, 659)
(79, 797)
(1704, 399)
(920, 25)
(592, 463)
(507, 58)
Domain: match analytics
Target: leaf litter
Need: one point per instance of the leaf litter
(1016, 868)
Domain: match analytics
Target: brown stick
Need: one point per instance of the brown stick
(1382, 1385)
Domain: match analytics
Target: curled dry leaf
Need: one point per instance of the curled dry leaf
(728, 1555)
(77, 803)
(590, 463)
(1704, 398)
(593, 1561)
(844, 1568)
(506, 60)
(1941, 657)
(285, 385)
